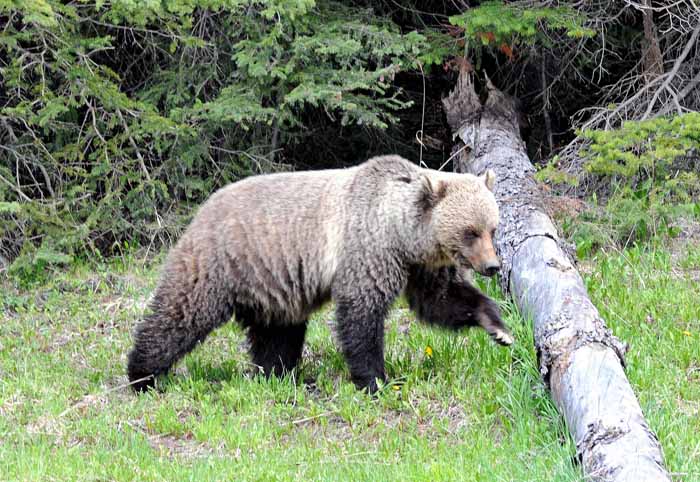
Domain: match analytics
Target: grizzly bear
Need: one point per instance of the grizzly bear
(271, 249)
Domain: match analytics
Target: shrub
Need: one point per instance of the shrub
(649, 175)
(117, 116)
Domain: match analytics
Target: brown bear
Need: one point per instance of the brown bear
(271, 249)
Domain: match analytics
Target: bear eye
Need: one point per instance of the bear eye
(470, 235)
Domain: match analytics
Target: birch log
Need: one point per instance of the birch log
(580, 360)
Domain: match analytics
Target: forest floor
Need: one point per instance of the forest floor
(458, 407)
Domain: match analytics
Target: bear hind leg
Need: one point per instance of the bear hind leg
(276, 348)
(171, 331)
(149, 357)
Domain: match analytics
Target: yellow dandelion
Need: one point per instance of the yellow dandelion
(687, 333)
(428, 352)
(396, 387)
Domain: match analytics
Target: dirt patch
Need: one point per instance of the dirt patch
(402, 319)
(457, 419)
(691, 408)
(10, 404)
(106, 283)
(563, 207)
(687, 239)
(48, 425)
(325, 426)
(114, 304)
(428, 424)
(689, 229)
(687, 273)
(185, 446)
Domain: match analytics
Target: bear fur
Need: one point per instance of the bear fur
(271, 249)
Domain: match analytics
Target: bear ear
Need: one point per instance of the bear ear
(432, 192)
(489, 178)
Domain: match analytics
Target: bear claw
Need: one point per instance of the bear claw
(503, 338)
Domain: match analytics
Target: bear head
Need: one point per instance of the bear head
(464, 216)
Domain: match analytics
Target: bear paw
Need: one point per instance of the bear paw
(502, 337)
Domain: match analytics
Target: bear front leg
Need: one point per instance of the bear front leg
(365, 285)
(442, 297)
(489, 318)
(360, 331)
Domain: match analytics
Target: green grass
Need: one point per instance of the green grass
(651, 299)
(471, 411)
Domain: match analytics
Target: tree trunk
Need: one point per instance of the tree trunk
(580, 360)
(653, 58)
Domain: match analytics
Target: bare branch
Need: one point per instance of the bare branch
(676, 66)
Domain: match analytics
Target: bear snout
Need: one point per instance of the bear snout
(490, 268)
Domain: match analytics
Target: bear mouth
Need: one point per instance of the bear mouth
(462, 261)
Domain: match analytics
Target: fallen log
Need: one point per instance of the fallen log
(580, 359)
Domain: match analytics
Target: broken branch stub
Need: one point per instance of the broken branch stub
(580, 359)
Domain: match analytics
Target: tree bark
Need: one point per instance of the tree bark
(653, 58)
(580, 359)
